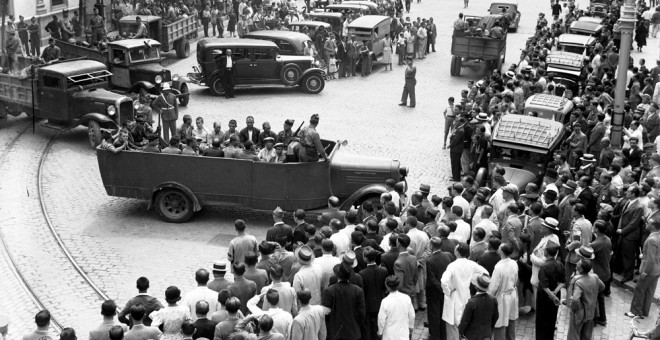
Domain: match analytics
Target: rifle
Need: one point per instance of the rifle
(298, 130)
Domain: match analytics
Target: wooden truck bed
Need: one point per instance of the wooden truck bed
(477, 47)
(174, 31)
(70, 51)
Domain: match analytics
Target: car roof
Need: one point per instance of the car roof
(236, 42)
(527, 133)
(69, 68)
(586, 25)
(565, 58)
(555, 102)
(368, 21)
(145, 18)
(288, 35)
(133, 43)
(590, 19)
(577, 39)
(346, 6)
(325, 14)
(360, 2)
(310, 23)
(515, 3)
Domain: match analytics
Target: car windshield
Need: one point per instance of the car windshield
(144, 53)
(571, 48)
(128, 27)
(539, 159)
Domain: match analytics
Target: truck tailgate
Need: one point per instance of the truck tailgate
(477, 48)
(17, 91)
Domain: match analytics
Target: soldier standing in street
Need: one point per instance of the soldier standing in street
(409, 86)
(311, 142)
(22, 28)
(35, 38)
(13, 48)
(168, 107)
(97, 25)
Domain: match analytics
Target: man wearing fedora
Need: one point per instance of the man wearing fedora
(308, 277)
(582, 295)
(481, 311)
(346, 304)
(219, 281)
(649, 271)
(602, 246)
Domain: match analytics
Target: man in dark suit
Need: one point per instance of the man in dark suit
(227, 71)
(593, 144)
(347, 306)
(280, 229)
(634, 153)
(204, 328)
(387, 259)
(629, 232)
(447, 244)
(481, 314)
(652, 123)
(405, 267)
(551, 209)
(490, 258)
(373, 278)
(333, 212)
(299, 233)
(586, 197)
(456, 149)
(435, 298)
(249, 132)
(341, 57)
(602, 246)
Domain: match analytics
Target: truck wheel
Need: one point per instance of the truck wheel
(216, 86)
(313, 83)
(456, 65)
(183, 100)
(183, 48)
(173, 205)
(290, 74)
(452, 67)
(94, 133)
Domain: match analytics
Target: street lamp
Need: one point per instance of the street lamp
(627, 25)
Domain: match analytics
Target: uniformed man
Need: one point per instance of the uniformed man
(97, 25)
(311, 148)
(167, 105)
(22, 28)
(35, 37)
(285, 136)
(51, 52)
(53, 28)
(13, 48)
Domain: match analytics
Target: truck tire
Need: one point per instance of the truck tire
(173, 205)
(183, 100)
(216, 86)
(313, 83)
(456, 65)
(94, 133)
(452, 66)
(290, 74)
(183, 48)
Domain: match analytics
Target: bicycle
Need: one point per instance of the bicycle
(634, 332)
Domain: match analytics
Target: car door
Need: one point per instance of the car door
(53, 100)
(119, 68)
(264, 66)
(242, 60)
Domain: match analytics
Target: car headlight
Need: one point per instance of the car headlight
(136, 104)
(111, 110)
(316, 63)
(175, 77)
(158, 79)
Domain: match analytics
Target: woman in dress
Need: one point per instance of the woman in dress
(410, 43)
(172, 316)
(231, 25)
(387, 52)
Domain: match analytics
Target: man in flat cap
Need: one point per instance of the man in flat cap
(654, 164)
(310, 140)
(268, 154)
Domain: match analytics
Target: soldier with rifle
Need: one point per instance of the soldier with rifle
(289, 140)
(311, 148)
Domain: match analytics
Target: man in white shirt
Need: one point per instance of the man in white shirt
(456, 192)
(486, 223)
(281, 320)
(309, 275)
(201, 292)
(326, 262)
(462, 227)
(396, 198)
(341, 240)
(310, 321)
(396, 317)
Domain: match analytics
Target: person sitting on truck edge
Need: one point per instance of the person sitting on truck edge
(497, 32)
(174, 146)
(153, 145)
(107, 144)
(51, 52)
(142, 29)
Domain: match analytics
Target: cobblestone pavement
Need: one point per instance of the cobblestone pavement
(116, 240)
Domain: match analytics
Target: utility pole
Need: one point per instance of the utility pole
(627, 26)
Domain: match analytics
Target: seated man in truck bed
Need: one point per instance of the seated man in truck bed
(497, 32)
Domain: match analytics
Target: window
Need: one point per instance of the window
(118, 56)
(286, 47)
(51, 81)
(240, 54)
(145, 53)
(264, 54)
(58, 3)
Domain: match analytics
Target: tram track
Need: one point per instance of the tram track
(49, 243)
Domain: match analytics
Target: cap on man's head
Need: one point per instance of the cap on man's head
(289, 122)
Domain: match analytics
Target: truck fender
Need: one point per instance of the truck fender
(362, 193)
(175, 185)
(144, 84)
(102, 119)
(311, 70)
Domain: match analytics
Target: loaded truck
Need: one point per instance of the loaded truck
(173, 36)
(67, 94)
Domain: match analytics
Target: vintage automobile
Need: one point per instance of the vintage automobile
(334, 19)
(576, 43)
(470, 49)
(345, 8)
(566, 68)
(511, 8)
(297, 26)
(170, 184)
(256, 63)
(289, 43)
(523, 146)
(67, 94)
(600, 8)
(373, 29)
(373, 7)
(549, 107)
(585, 28)
(134, 63)
(173, 36)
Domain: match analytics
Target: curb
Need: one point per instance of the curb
(630, 286)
